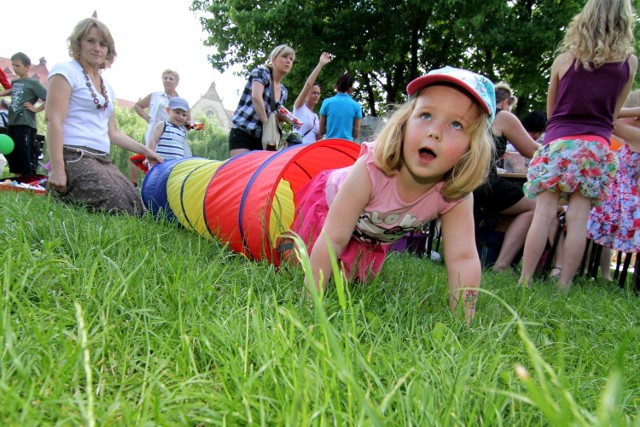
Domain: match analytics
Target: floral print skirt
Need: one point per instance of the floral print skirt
(570, 165)
(615, 223)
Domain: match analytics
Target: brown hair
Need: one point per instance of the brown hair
(81, 30)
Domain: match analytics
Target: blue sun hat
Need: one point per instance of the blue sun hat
(478, 86)
(177, 103)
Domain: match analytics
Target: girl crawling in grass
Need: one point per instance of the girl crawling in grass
(433, 152)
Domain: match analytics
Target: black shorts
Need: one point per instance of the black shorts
(496, 195)
(240, 139)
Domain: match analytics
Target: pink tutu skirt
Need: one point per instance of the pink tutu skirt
(360, 261)
(570, 165)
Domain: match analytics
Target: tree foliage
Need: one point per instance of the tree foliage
(386, 43)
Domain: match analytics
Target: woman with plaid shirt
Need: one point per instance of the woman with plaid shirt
(254, 107)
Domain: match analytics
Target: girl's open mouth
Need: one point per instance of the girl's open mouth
(426, 154)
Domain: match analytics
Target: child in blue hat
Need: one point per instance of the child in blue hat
(169, 137)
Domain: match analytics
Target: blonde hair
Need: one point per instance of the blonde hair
(504, 92)
(469, 172)
(280, 50)
(633, 99)
(601, 32)
(80, 31)
(173, 73)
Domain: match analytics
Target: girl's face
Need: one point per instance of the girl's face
(178, 117)
(314, 96)
(169, 82)
(437, 133)
(93, 49)
(283, 63)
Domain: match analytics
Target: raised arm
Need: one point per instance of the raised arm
(325, 58)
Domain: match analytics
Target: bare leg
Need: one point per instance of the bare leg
(544, 216)
(576, 238)
(515, 235)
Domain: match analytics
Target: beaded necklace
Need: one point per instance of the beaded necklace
(103, 89)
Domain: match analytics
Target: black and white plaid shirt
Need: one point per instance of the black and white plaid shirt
(245, 117)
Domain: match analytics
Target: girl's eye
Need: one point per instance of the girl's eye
(425, 116)
(457, 125)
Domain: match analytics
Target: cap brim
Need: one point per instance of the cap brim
(421, 82)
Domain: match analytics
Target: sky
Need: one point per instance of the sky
(150, 36)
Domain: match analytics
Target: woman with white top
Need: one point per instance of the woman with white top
(306, 102)
(81, 127)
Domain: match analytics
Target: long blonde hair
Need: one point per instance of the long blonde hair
(601, 32)
(467, 174)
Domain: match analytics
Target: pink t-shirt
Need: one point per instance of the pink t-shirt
(387, 217)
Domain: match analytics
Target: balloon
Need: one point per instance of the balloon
(6, 144)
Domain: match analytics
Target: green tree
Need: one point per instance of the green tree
(386, 43)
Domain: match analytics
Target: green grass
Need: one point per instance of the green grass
(110, 320)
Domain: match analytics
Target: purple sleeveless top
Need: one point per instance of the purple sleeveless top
(586, 101)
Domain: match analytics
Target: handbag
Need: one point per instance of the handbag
(270, 130)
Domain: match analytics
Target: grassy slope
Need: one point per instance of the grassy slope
(116, 320)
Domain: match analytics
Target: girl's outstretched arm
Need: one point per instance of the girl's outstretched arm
(629, 112)
(461, 256)
(630, 134)
(348, 204)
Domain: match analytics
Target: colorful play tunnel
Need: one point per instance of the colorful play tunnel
(246, 201)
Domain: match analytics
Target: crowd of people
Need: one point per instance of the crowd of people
(436, 157)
